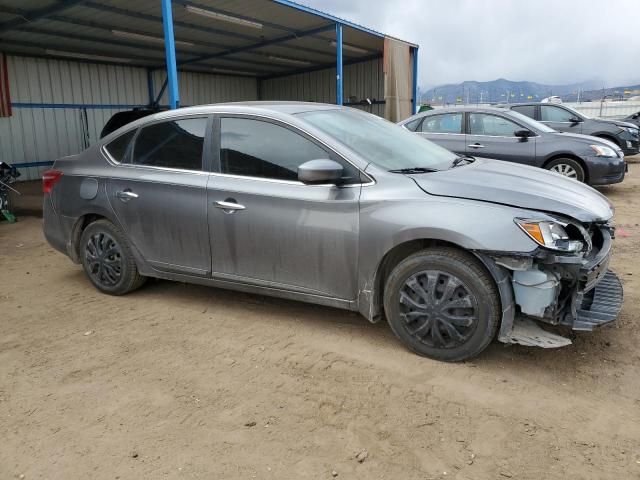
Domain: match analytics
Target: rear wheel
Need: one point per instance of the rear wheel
(567, 167)
(441, 303)
(107, 259)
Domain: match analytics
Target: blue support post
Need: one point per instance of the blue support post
(339, 64)
(170, 54)
(414, 101)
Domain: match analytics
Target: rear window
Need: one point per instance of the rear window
(119, 148)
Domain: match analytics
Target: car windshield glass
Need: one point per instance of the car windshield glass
(530, 122)
(387, 145)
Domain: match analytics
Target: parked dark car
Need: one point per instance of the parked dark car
(565, 119)
(120, 119)
(503, 134)
(335, 206)
(633, 118)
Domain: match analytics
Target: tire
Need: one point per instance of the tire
(568, 167)
(419, 315)
(107, 259)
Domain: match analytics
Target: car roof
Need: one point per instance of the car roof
(276, 109)
(283, 107)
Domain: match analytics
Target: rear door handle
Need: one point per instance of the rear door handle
(126, 195)
(476, 145)
(229, 205)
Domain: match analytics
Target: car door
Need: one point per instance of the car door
(559, 119)
(269, 229)
(159, 195)
(445, 129)
(492, 136)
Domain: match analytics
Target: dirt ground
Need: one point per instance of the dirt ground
(182, 381)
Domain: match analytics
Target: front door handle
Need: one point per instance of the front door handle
(229, 205)
(126, 195)
(476, 145)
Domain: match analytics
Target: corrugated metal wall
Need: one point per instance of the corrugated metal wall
(203, 88)
(74, 100)
(60, 107)
(361, 81)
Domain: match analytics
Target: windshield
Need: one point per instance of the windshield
(530, 122)
(387, 145)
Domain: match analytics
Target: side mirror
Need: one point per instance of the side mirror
(524, 133)
(316, 172)
(575, 120)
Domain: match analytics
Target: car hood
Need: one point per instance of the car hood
(519, 186)
(587, 139)
(618, 123)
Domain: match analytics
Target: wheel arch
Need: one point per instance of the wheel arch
(607, 136)
(572, 156)
(372, 309)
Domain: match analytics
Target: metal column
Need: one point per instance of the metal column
(170, 54)
(414, 86)
(339, 90)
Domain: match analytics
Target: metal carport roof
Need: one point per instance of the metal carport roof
(261, 38)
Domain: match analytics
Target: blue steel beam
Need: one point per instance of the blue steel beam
(33, 15)
(324, 66)
(265, 43)
(339, 64)
(326, 16)
(181, 24)
(170, 51)
(140, 46)
(414, 99)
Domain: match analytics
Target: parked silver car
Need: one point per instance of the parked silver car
(503, 134)
(334, 206)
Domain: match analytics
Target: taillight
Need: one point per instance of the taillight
(49, 179)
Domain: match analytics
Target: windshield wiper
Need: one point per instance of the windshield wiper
(459, 160)
(411, 170)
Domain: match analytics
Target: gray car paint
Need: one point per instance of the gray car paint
(317, 243)
(536, 151)
(604, 128)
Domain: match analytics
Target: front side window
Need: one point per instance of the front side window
(119, 148)
(493, 125)
(255, 148)
(446, 123)
(550, 113)
(171, 144)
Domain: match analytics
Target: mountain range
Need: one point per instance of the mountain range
(503, 90)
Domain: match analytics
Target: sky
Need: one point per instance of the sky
(546, 41)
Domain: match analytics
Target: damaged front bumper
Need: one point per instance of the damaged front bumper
(577, 291)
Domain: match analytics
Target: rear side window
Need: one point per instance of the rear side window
(446, 123)
(119, 148)
(528, 110)
(171, 144)
(255, 148)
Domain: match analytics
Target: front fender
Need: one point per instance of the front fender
(470, 225)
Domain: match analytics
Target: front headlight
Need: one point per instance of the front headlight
(631, 130)
(548, 234)
(603, 151)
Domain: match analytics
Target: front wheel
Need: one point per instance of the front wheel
(567, 167)
(443, 304)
